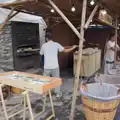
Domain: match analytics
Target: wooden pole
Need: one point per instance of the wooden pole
(91, 16)
(6, 20)
(116, 34)
(16, 3)
(14, 14)
(79, 59)
(3, 103)
(65, 19)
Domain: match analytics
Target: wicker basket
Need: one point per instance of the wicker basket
(98, 109)
(95, 110)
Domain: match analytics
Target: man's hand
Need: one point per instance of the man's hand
(112, 48)
(74, 46)
(71, 48)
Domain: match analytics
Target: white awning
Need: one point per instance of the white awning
(22, 17)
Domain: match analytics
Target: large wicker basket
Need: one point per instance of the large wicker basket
(98, 109)
(95, 110)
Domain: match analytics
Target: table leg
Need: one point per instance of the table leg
(44, 103)
(3, 103)
(52, 106)
(43, 108)
(24, 112)
(29, 105)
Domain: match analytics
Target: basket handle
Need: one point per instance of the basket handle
(84, 87)
(118, 92)
(98, 78)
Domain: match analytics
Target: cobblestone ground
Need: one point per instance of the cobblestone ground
(62, 107)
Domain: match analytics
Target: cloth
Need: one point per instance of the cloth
(108, 67)
(42, 60)
(102, 93)
(109, 56)
(53, 73)
(50, 51)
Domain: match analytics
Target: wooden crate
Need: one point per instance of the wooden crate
(91, 62)
(98, 60)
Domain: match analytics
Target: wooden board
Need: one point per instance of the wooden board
(30, 82)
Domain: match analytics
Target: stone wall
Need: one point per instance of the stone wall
(6, 57)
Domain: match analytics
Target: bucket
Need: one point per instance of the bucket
(99, 102)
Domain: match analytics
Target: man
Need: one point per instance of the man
(50, 51)
(109, 55)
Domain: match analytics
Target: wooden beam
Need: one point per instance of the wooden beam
(6, 20)
(116, 34)
(91, 16)
(79, 59)
(47, 5)
(16, 3)
(65, 19)
(14, 14)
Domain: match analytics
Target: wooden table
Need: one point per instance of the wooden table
(29, 82)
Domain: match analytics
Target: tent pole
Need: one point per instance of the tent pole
(79, 59)
(91, 16)
(6, 20)
(65, 19)
(116, 34)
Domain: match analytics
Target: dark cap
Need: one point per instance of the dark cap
(48, 33)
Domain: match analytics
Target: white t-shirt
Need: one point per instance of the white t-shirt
(109, 56)
(50, 51)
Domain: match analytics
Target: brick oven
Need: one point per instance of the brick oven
(19, 46)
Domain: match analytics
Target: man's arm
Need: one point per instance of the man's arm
(112, 48)
(118, 48)
(42, 50)
(69, 49)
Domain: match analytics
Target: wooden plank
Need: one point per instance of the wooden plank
(79, 61)
(91, 16)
